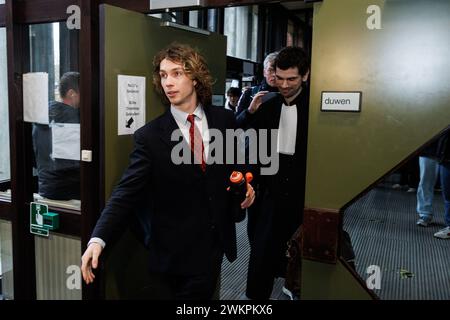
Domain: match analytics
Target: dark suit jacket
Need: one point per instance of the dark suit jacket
(58, 179)
(280, 197)
(246, 97)
(187, 207)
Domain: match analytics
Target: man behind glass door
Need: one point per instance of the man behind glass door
(58, 179)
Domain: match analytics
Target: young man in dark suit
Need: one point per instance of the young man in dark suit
(280, 195)
(191, 226)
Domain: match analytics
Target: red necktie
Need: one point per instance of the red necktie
(196, 141)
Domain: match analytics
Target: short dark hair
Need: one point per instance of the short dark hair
(69, 80)
(194, 65)
(234, 92)
(291, 57)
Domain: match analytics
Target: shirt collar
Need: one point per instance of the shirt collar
(181, 116)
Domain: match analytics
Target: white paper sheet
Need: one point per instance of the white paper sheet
(35, 97)
(131, 103)
(66, 141)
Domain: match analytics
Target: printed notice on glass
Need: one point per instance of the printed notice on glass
(66, 141)
(35, 97)
(131, 103)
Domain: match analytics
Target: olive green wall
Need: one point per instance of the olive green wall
(403, 72)
(131, 41)
(323, 281)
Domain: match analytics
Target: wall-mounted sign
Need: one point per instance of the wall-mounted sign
(341, 101)
(37, 212)
(131, 103)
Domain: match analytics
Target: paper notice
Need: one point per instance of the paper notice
(35, 97)
(131, 103)
(66, 141)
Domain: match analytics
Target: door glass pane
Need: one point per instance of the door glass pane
(56, 145)
(241, 29)
(5, 173)
(6, 262)
(193, 19)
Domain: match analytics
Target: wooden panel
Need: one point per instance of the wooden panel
(23, 241)
(39, 11)
(320, 234)
(2, 15)
(5, 210)
(134, 5)
(89, 117)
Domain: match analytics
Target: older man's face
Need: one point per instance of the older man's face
(269, 74)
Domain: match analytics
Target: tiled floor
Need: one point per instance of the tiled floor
(234, 275)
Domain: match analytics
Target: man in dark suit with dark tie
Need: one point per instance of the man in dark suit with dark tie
(280, 195)
(191, 225)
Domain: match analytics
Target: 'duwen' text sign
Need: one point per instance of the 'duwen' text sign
(341, 101)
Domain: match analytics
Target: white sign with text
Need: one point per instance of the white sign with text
(341, 101)
(131, 103)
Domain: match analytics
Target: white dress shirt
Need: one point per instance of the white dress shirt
(287, 130)
(200, 121)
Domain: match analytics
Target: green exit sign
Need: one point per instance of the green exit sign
(37, 212)
(41, 221)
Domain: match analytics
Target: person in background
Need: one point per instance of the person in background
(233, 95)
(409, 176)
(444, 161)
(58, 179)
(281, 195)
(267, 84)
(429, 172)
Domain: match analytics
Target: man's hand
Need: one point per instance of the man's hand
(256, 101)
(249, 197)
(89, 261)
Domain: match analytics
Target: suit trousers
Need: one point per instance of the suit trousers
(200, 286)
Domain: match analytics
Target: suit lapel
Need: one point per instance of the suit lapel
(167, 126)
(212, 121)
(276, 114)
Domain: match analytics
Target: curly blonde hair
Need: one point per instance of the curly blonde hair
(194, 65)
